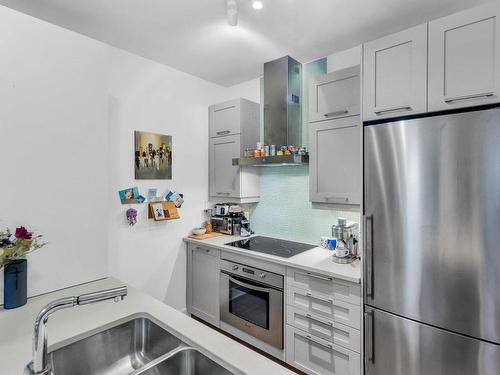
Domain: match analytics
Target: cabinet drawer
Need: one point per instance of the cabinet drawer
(324, 328)
(316, 356)
(315, 303)
(207, 250)
(326, 285)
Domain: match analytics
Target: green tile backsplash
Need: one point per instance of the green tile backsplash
(284, 209)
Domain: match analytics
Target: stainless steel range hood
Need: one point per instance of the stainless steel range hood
(282, 112)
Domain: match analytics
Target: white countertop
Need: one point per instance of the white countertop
(16, 329)
(315, 260)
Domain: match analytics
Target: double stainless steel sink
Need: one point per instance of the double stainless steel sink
(137, 346)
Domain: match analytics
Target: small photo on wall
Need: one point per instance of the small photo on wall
(129, 194)
(153, 156)
(158, 211)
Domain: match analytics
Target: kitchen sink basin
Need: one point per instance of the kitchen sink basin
(186, 361)
(138, 346)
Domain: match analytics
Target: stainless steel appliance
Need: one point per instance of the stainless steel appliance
(347, 235)
(251, 300)
(272, 246)
(432, 235)
(222, 224)
(282, 112)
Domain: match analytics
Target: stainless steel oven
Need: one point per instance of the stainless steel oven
(251, 300)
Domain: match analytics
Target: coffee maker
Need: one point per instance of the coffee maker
(347, 235)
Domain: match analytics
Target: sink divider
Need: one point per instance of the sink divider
(162, 358)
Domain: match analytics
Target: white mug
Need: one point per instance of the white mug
(341, 253)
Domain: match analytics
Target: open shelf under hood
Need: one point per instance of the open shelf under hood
(270, 161)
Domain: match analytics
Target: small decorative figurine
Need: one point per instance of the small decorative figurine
(132, 216)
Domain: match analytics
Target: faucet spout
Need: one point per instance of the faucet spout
(39, 364)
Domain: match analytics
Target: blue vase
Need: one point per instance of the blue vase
(15, 284)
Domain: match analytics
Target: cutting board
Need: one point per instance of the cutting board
(205, 236)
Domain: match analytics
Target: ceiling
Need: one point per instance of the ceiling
(193, 35)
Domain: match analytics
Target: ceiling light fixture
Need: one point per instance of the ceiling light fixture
(232, 12)
(257, 4)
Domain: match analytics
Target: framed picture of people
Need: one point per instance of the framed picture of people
(153, 156)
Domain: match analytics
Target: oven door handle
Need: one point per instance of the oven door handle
(249, 286)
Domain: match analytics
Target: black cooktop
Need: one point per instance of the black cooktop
(272, 246)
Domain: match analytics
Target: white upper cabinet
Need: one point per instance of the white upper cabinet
(395, 75)
(335, 161)
(233, 127)
(224, 177)
(335, 95)
(464, 59)
(225, 118)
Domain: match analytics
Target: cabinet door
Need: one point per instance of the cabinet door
(204, 276)
(316, 356)
(224, 177)
(395, 75)
(336, 94)
(464, 59)
(335, 161)
(224, 118)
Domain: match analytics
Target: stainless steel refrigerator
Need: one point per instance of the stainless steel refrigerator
(432, 245)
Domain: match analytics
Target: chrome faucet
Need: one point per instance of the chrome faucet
(39, 365)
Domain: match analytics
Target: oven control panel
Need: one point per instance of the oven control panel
(262, 276)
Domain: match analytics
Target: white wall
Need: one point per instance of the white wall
(148, 96)
(249, 90)
(344, 59)
(53, 141)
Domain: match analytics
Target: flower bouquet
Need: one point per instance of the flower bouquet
(18, 246)
(13, 251)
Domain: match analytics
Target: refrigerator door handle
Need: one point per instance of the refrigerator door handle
(369, 348)
(368, 252)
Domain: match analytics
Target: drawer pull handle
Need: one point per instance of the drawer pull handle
(337, 199)
(468, 97)
(319, 277)
(224, 132)
(319, 298)
(222, 193)
(309, 338)
(336, 113)
(395, 109)
(310, 317)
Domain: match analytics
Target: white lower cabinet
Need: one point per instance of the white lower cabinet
(203, 283)
(316, 356)
(323, 324)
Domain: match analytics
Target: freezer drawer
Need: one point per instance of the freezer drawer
(432, 220)
(396, 346)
